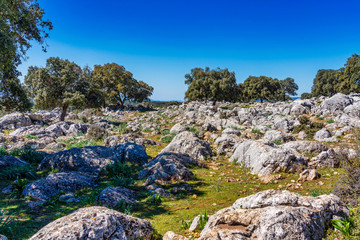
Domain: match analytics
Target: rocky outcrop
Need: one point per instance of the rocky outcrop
(96, 223)
(309, 175)
(112, 196)
(335, 104)
(305, 147)
(45, 188)
(14, 120)
(168, 167)
(265, 159)
(173, 236)
(10, 161)
(178, 128)
(275, 214)
(188, 143)
(94, 158)
(274, 135)
(125, 138)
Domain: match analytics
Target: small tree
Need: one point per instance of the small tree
(56, 85)
(119, 85)
(288, 86)
(260, 88)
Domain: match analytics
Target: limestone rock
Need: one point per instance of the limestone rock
(45, 188)
(173, 236)
(309, 175)
(275, 214)
(96, 223)
(112, 196)
(265, 159)
(274, 135)
(178, 128)
(10, 161)
(188, 143)
(14, 121)
(336, 103)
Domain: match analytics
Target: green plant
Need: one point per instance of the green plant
(3, 152)
(5, 224)
(344, 226)
(203, 220)
(154, 199)
(119, 169)
(194, 130)
(122, 181)
(315, 193)
(320, 118)
(31, 156)
(257, 131)
(147, 130)
(165, 132)
(124, 207)
(13, 173)
(185, 224)
(167, 138)
(31, 137)
(330, 121)
(20, 184)
(277, 142)
(96, 132)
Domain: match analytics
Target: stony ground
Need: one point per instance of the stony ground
(177, 162)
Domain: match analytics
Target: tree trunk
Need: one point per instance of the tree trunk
(261, 100)
(63, 113)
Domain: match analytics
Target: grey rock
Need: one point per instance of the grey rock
(188, 143)
(125, 138)
(353, 110)
(10, 161)
(277, 215)
(131, 152)
(305, 147)
(336, 103)
(14, 120)
(195, 225)
(283, 124)
(274, 135)
(309, 175)
(173, 236)
(112, 196)
(178, 128)
(154, 189)
(168, 167)
(325, 159)
(265, 159)
(2, 237)
(45, 188)
(322, 134)
(94, 223)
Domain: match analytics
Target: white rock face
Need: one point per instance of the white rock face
(275, 214)
(94, 223)
(178, 128)
(188, 143)
(264, 159)
(336, 103)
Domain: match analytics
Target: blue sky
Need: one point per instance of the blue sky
(161, 41)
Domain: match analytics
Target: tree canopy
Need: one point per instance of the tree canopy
(21, 23)
(328, 82)
(215, 85)
(119, 84)
(59, 84)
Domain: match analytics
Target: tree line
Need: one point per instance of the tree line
(328, 82)
(220, 85)
(62, 83)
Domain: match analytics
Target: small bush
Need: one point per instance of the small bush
(330, 121)
(119, 169)
(3, 152)
(167, 138)
(122, 181)
(18, 172)
(95, 132)
(277, 142)
(165, 132)
(154, 199)
(31, 137)
(203, 220)
(194, 130)
(257, 131)
(6, 223)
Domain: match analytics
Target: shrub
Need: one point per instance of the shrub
(18, 172)
(330, 121)
(122, 181)
(31, 156)
(3, 152)
(5, 223)
(119, 169)
(310, 128)
(31, 137)
(154, 199)
(344, 226)
(167, 138)
(277, 142)
(257, 131)
(165, 132)
(95, 132)
(203, 220)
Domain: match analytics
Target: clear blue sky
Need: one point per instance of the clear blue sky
(160, 41)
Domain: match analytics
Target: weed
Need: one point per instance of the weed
(124, 207)
(121, 181)
(185, 224)
(203, 220)
(154, 199)
(344, 226)
(277, 142)
(330, 121)
(3, 152)
(5, 224)
(17, 172)
(194, 130)
(257, 131)
(165, 132)
(20, 184)
(31, 137)
(167, 138)
(118, 169)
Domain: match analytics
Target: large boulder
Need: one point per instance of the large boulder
(10, 161)
(112, 196)
(67, 182)
(93, 158)
(125, 138)
(188, 143)
(170, 235)
(274, 135)
(275, 214)
(96, 223)
(305, 147)
(265, 159)
(336, 103)
(178, 128)
(353, 110)
(14, 120)
(168, 167)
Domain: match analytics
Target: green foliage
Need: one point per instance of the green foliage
(119, 85)
(20, 184)
(154, 199)
(31, 156)
(185, 224)
(310, 128)
(3, 152)
(18, 172)
(257, 131)
(330, 121)
(215, 85)
(31, 137)
(344, 226)
(124, 207)
(165, 132)
(346, 80)
(194, 130)
(203, 220)
(277, 142)
(21, 24)
(119, 169)
(6, 223)
(122, 181)
(167, 138)
(306, 96)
